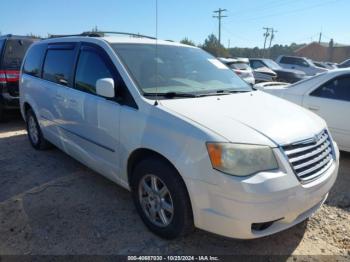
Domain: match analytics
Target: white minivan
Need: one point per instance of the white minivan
(195, 144)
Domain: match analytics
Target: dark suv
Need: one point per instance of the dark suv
(12, 51)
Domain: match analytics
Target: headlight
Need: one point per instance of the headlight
(241, 159)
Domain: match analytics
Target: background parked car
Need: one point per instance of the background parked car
(327, 95)
(264, 74)
(241, 67)
(270, 85)
(12, 51)
(323, 65)
(283, 75)
(332, 65)
(344, 64)
(300, 63)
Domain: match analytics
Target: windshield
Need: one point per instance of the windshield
(178, 69)
(272, 64)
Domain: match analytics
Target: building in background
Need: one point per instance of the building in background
(332, 52)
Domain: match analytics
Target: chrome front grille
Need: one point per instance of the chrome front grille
(310, 158)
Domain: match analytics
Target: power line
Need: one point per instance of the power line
(306, 8)
(219, 16)
(266, 5)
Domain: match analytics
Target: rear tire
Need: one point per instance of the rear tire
(164, 205)
(35, 135)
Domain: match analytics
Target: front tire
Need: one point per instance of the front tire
(35, 135)
(161, 198)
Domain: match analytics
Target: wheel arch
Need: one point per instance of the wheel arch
(141, 153)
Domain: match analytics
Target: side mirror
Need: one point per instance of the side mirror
(105, 87)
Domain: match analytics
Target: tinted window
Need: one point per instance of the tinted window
(256, 64)
(34, 58)
(1, 45)
(91, 67)
(338, 88)
(58, 66)
(286, 60)
(294, 61)
(15, 50)
(239, 66)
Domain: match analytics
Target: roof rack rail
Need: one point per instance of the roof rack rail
(102, 33)
(121, 33)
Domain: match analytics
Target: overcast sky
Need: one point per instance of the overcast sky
(297, 21)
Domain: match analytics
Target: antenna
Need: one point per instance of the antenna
(156, 60)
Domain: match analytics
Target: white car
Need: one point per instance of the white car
(241, 67)
(196, 145)
(300, 63)
(327, 95)
(270, 85)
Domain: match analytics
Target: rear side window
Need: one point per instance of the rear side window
(338, 88)
(239, 66)
(90, 68)
(58, 66)
(34, 59)
(15, 50)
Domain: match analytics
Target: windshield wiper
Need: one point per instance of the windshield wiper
(170, 94)
(223, 92)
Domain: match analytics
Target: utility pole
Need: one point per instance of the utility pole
(266, 35)
(273, 31)
(219, 16)
(320, 38)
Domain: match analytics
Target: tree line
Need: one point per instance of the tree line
(211, 44)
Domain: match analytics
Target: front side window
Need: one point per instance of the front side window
(257, 64)
(301, 62)
(58, 65)
(167, 68)
(338, 89)
(272, 64)
(287, 60)
(33, 62)
(90, 68)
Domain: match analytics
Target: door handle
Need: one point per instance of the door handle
(314, 108)
(73, 102)
(59, 97)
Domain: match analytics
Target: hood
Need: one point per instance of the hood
(250, 117)
(290, 71)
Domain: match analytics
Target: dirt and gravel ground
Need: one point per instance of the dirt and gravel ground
(51, 204)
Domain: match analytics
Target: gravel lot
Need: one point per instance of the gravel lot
(51, 204)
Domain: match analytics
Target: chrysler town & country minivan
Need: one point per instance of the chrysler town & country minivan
(196, 145)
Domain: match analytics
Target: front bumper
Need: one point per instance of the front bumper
(233, 205)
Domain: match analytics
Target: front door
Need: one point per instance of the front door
(91, 122)
(332, 102)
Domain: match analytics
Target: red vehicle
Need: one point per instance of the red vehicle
(12, 52)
